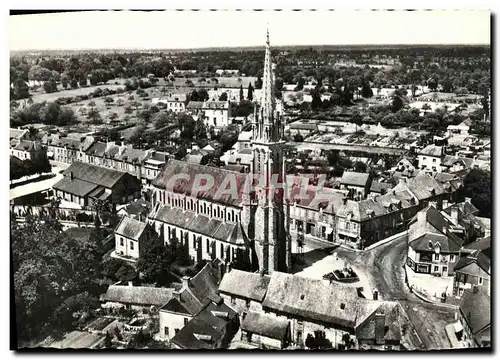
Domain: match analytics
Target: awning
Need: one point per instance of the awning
(458, 327)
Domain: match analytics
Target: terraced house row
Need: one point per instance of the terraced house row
(143, 164)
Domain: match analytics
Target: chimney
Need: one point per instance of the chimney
(454, 215)
(344, 200)
(130, 283)
(379, 328)
(467, 200)
(185, 281)
(421, 218)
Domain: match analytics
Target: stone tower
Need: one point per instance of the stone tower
(266, 209)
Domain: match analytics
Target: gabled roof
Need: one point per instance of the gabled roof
(130, 228)
(27, 145)
(76, 187)
(137, 295)
(450, 160)
(481, 244)
(354, 178)
(194, 105)
(94, 174)
(445, 243)
(207, 328)
(245, 285)
(475, 307)
(299, 296)
(377, 187)
(220, 105)
(432, 150)
(477, 258)
(423, 186)
(266, 325)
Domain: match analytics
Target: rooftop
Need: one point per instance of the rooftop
(130, 228)
(137, 295)
(245, 284)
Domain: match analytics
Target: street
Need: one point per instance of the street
(383, 269)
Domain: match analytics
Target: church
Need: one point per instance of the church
(252, 223)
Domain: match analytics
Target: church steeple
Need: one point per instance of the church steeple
(268, 125)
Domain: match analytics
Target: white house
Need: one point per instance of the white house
(430, 158)
(217, 113)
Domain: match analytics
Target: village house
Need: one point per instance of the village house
(379, 188)
(130, 237)
(83, 183)
(194, 108)
(265, 331)
(303, 129)
(472, 270)
(212, 328)
(19, 134)
(172, 102)
(135, 297)
(244, 291)
(359, 183)
(67, 149)
(191, 298)
(430, 158)
(28, 150)
(460, 129)
(473, 328)
(143, 164)
(216, 113)
(137, 210)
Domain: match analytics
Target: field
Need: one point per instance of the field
(41, 96)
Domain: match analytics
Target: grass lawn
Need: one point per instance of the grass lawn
(40, 95)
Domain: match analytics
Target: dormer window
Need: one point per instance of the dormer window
(342, 306)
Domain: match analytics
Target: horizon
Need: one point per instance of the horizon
(193, 30)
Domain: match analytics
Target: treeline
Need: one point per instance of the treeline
(21, 168)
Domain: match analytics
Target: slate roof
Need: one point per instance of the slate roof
(450, 160)
(475, 307)
(298, 296)
(137, 295)
(27, 145)
(481, 244)
(182, 186)
(76, 186)
(392, 328)
(354, 178)
(313, 198)
(432, 150)
(447, 244)
(245, 284)
(130, 228)
(266, 325)
(94, 174)
(382, 205)
(204, 285)
(377, 186)
(476, 257)
(422, 186)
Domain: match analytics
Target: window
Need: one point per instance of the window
(186, 320)
(436, 268)
(424, 158)
(436, 257)
(233, 300)
(452, 258)
(121, 241)
(131, 245)
(480, 281)
(165, 330)
(247, 303)
(460, 292)
(176, 331)
(433, 160)
(208, 245)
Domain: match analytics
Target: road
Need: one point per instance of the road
(383, 267)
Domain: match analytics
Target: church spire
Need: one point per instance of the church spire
(268, 102)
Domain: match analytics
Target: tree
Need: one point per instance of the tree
(397, 103)
(110, 268)
(242, 95)
(95, 116)
(228, 137)
(223, 96)
(108, 100)
(348, 341)
(50, 86)
(298, 138)
(360, 167)
(73, 83)
(155, 260)
(258, 83)
(432, 83)
(477, 186)
(250, 92)
(318, 341)
(126, 273)
(366, 90)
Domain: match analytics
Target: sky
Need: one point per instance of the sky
(197, 29)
